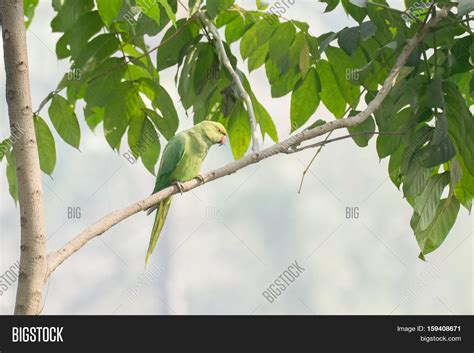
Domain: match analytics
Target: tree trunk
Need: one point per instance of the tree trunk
(33, 263)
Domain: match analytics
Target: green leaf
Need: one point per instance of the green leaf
(319, 122)
(394, 167)
(296, 49)
(331, 4)
(46, 146)
(162, 124)
(98, 91)
(85, 28)
(258, 57)
(216, 6)
(280, 45)
(143, 141)
(124, 104)
(358, 132)
(455, 173)
(467, 179)
(359, 3)
(206, 64)
(428, 201)
(174, 42)
(434, 94)
(281, 84)
(98, 49)
(416, 178)
(342, 67)
(248, 45)
(29, 7)
(94, 116)
(65, 121)
(11, 176)
(367, 30)
(460, 124)
(391, 121)
(169, 122)
(224, 18)
(465, 6)
(186, 80)
(265, 30)
(348, 39)
(238, 128)
(170, 116)
(5, 147)
(435, 234)
(267, 126)
(68, 13)
(464, 189)
(150, 9)
(440, 149)
(304, 100)
(460, 58)
(109, 9)
(330, 94)
(262, 5)
(236, 29)
(305, 59)
(326, 39)
(356, 12)
(388, 144)
(417, 140)
(169, 11)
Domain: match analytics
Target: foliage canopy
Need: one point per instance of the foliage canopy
(426, 124)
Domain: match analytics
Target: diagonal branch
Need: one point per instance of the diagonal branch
(56, 258)
(238, 82)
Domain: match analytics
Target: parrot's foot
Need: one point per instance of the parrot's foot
(180, 186)
(201, 179)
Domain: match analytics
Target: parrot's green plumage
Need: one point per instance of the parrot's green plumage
(181, 161)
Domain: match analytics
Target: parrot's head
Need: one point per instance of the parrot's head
(214, 131)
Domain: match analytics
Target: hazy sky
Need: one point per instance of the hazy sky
(226, 242)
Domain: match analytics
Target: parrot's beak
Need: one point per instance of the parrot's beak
(223, 140)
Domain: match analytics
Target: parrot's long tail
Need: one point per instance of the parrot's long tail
(160, 218)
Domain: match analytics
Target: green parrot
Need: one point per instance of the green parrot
(181, 161)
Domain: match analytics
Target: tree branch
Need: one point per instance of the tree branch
(33, 263)
(58, 257)
(325, 142)
(228, 65)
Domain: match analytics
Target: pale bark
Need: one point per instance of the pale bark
(56, 258)
(30, 193)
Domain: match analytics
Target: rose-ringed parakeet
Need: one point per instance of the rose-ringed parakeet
(181, 161)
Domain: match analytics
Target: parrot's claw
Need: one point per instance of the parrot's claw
(180, 187)
(201, 179)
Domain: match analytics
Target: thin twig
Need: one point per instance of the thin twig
(322, 144)
(425, 59)
(327, 141)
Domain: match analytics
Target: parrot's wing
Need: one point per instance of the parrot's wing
(172, 155)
